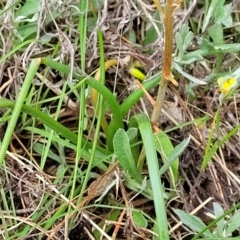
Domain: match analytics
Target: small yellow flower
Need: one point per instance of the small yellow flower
(227, 84)
(136, 73)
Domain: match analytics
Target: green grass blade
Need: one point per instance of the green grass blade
(169, 155)
(145, 128)
(52, 124)
(105, 92)
(208, 155)
(20, 46)
(128, 103)
(136, 95)
(18, 106)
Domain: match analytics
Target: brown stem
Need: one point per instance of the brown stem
(166, 72)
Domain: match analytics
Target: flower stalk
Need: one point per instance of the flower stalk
(166, 72)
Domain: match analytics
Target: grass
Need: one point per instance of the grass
(86, 153)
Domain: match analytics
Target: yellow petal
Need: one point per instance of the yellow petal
(225, 85)
(136, 73)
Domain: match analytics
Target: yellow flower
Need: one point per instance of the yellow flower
(136, 73)
(226, 84)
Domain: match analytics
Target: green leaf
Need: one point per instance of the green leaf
(131, 36)
(186, 60)
(193, 222)
(139, 219)
(188, 76)
(39, 148)
(151, 34)
(61, 170)
(142, 121)
(132, 133)
(222, 15)
(218, 211)
(144, 187)
(169, 155)
(186, 36)
(206, 46)
(216, 33)
(188, 39)
(30, 7)
(91, 24)
(179, 43)
(122, 149)
(174, 154)
(18, 106)
(54, 125)
(234, 223)
(210, 11)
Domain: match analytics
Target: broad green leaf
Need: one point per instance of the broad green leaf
(91, 24)
(61, 170)
(206, 46)
(193, 222)
(139, 219)
(218, 211)
(28, 8)
(131, 36)
(188, 40)
(133, 139)
(216, 33)
(209, 50)
(222, 15)
(234, 223)
(186, 36)
(132, 133)
(210, 11)
(122, 149)
(144, 187)
(189, 60)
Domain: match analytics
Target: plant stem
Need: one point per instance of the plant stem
(166, 72)
(159, 102)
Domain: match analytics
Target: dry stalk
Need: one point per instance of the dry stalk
(166, 72)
